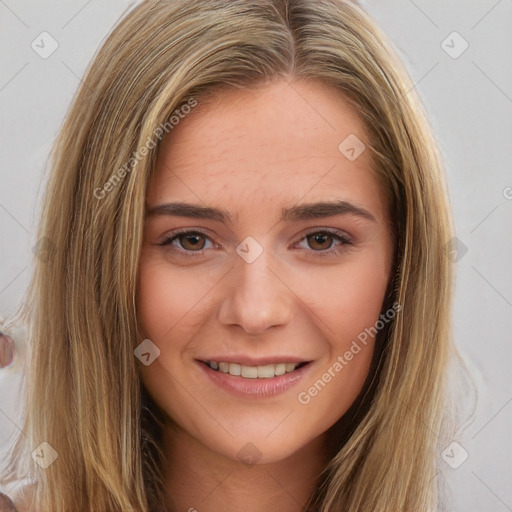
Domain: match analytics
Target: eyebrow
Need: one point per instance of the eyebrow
(295, 213)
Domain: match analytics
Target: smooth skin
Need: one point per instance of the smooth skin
(253, 153)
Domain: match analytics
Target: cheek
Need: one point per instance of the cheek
(166, 300)
(348, 303)
(172, 305)
(358, 301)
(168, 309)
(157, 303)
(347, 298)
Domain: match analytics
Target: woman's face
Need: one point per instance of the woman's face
(245, 273)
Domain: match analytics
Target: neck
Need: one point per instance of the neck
(199, 480)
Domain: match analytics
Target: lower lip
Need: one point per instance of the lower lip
(255, 388)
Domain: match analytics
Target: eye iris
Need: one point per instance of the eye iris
(194, 238)
(320, 238)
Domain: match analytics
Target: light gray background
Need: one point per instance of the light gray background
(469, 102)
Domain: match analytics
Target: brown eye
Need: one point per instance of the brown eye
(320, 241)
(326, 243)
(188, 242)
(191, 241)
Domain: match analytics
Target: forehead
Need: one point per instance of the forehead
(279, 142)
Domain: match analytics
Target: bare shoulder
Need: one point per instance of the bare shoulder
(6, 504)
(20, 500)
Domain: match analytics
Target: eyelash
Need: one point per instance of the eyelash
(341, 237)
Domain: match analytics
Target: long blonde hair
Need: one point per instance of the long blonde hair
(84, 394)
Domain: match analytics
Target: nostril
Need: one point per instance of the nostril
(7, 350)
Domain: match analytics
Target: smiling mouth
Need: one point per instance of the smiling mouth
(267, 371)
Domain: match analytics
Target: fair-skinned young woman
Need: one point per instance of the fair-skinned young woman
(241, 247)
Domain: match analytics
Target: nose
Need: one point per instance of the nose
(257, 297)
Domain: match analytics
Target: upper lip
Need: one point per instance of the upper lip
(260, 361)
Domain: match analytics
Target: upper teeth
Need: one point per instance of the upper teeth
(254, 372)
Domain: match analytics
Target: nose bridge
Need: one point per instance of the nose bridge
(257, 278)
(257, 298)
